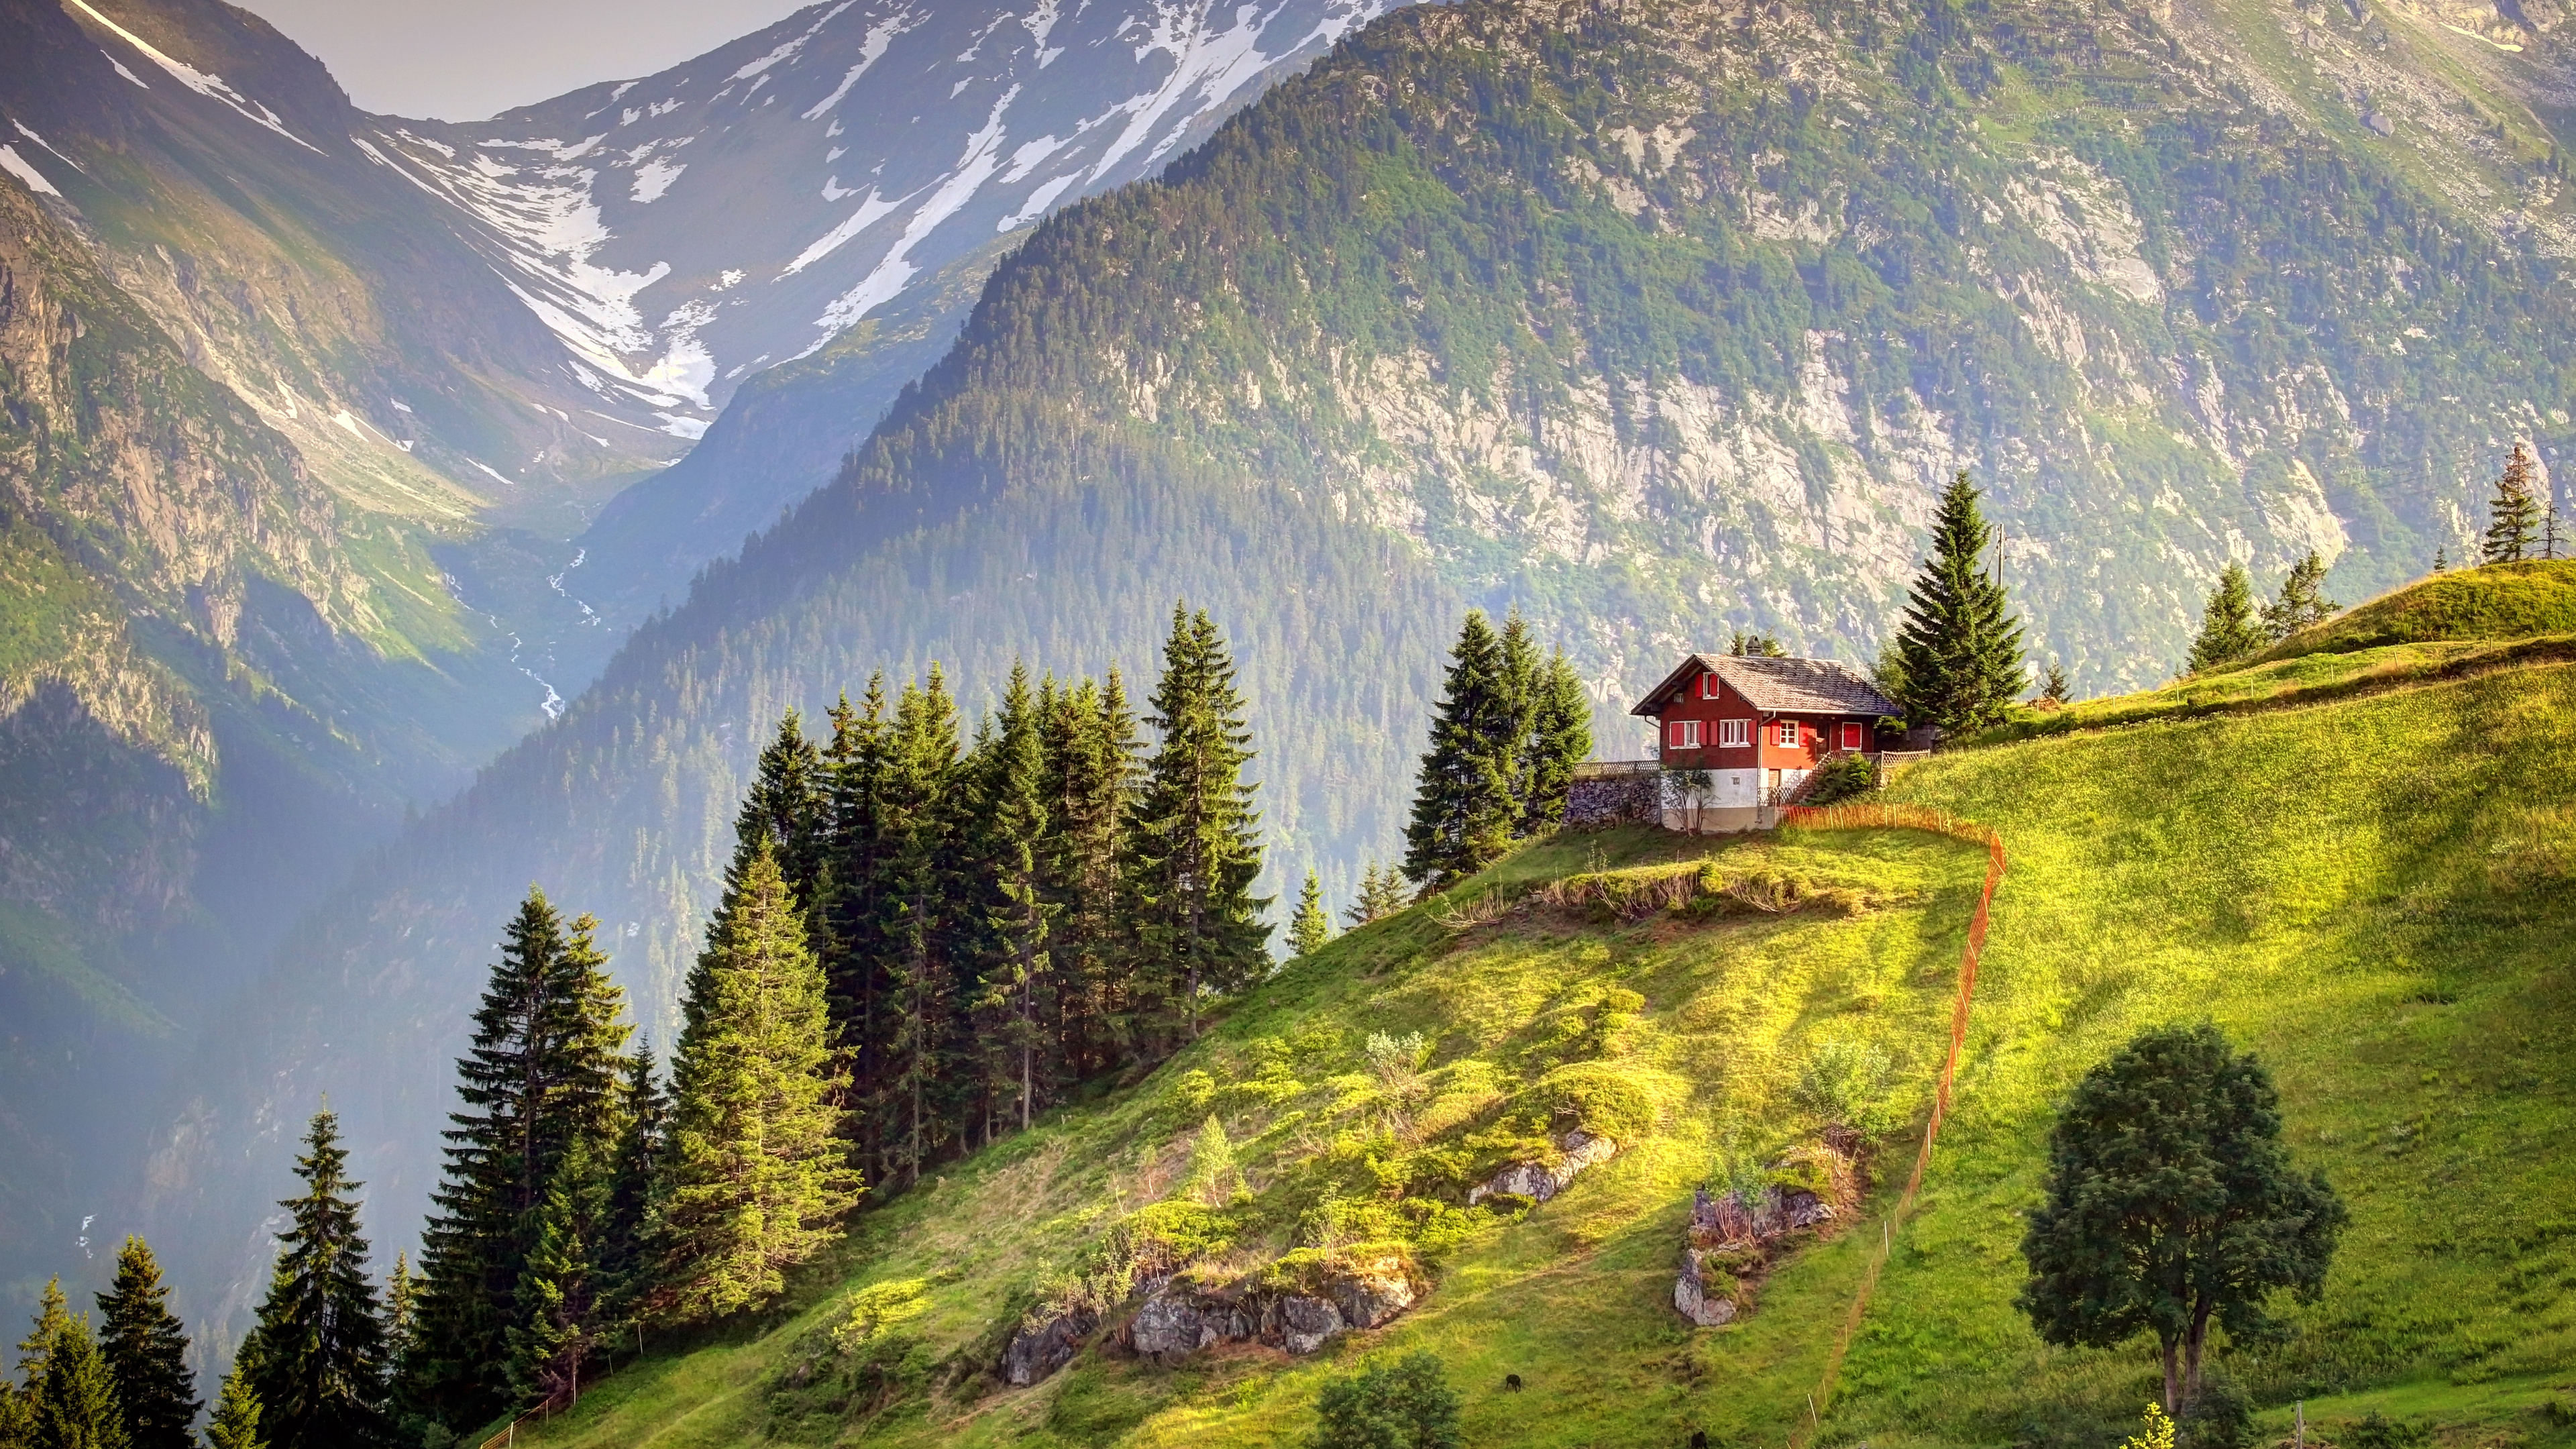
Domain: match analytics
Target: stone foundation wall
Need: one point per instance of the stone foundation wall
(1600, 800)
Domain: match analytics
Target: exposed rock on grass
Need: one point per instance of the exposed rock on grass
(1735, 1234)
(1539, 1181)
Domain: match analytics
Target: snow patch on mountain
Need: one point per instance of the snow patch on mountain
(210, 86)
(16, 165)
(880, 38)
(902, 86)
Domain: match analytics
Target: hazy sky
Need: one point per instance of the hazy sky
(463, 60)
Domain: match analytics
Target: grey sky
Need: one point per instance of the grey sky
(463, 60)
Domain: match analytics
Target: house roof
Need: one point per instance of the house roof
(1780, 686)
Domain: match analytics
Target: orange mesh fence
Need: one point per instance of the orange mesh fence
(1903, 817)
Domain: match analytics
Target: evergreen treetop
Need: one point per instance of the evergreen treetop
(1382, 894)
(235, 1424)
(73, 1402)
(2513, 514)
(317, 1354)
(147, 1353)
(2227, 628)
(1958, 653)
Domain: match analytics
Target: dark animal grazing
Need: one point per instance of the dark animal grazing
(1512, 1382)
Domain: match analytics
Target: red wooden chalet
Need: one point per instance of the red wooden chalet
(1737, 736)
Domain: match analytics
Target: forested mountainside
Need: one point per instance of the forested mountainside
(1659, 322)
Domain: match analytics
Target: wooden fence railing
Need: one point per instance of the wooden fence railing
(1904, 817)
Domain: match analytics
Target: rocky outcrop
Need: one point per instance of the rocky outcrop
(1180, 1316)
(1704, 1294)
(1734, 1235)
(1539, 1181)
(1046, 1344)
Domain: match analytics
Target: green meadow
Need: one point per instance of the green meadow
(2371, 890)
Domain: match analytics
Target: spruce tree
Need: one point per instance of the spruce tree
(317, 1354)
(74, 1403)
(1560, 738)
(1311, 927)
(1197, 839)
(755, 1180)
(634, 1166)
(1958, 653)
(848, 921)
(2227, 628)
(2303, 599)
(2514, 513)
(235, 1424)
(544, 1070)
(920, 832)
(1520, 674)
(559, 1293)
(1463, 811)
(147, 1353)
(53, 1317)
(1019, 980)
(2058, 689)
(1092, 764)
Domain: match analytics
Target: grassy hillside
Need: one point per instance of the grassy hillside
(2372, 893)
(2498, 601)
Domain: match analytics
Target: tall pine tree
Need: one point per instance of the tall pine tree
(1092, 754)
(1958, 652)
(848, 921)
(559, 1297)
(633, 1171)
(1019, 976)
(20, 1409)
(2514, 513)
(1197, 839)
(544, 1071)
(74, 1398)
(1464, 813)
(147, 1353)
(317, 1355)
(2227, 628)
(756, 1178)
(919, 832)
(1560, 738)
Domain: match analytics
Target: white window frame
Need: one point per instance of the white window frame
(1787, 735)
(1685, 734)
(1708, 685)
(1734, 734)
(1852, 736)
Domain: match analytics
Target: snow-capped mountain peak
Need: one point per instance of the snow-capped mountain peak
(682, 230)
